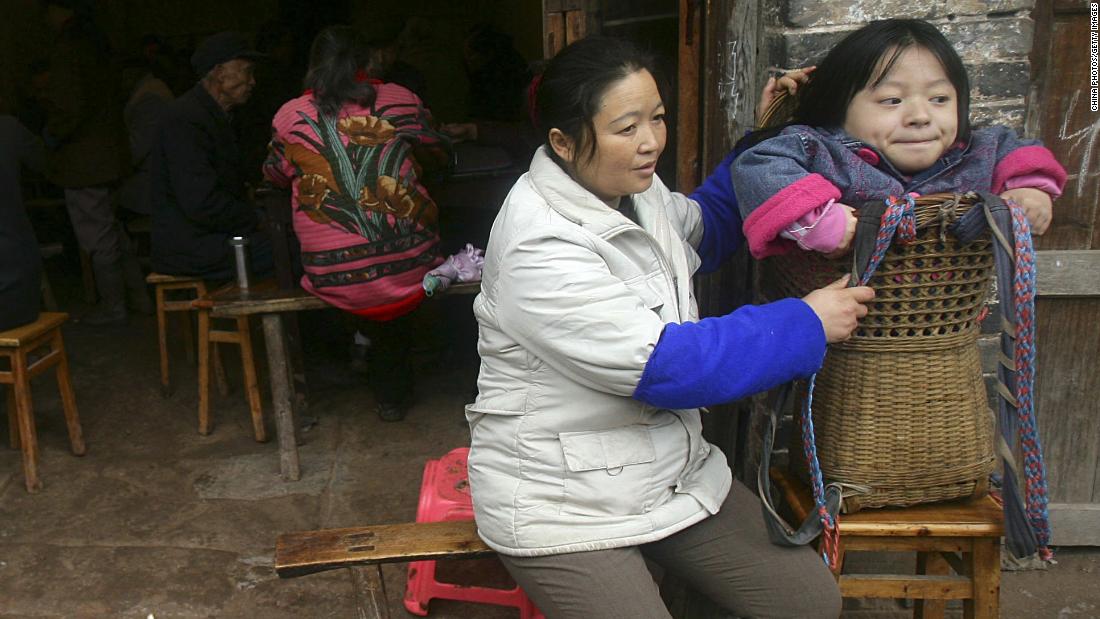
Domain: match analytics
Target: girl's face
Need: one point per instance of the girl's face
(911, 116)
(630, 135)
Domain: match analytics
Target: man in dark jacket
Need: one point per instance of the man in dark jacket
(198, 195)
(88, 155)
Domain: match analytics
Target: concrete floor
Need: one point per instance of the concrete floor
(157, 520)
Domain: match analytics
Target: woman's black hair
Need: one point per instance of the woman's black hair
(336, 57)
(574, 82)
(864, 58)
(868, 54)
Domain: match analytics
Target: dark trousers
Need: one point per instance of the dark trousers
(726, 557)
(389, 363)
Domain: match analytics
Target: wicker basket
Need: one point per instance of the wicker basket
(900, 408)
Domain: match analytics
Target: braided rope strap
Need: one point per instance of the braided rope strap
(898, 220)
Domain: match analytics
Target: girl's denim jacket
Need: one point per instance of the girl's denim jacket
(786, 176)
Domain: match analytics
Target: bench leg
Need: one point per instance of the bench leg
(24, 413)
(251, 386)
(68, 400)
(984, 564)
(204, 372)
(285, 426)
(370, 591)
(930, 564)
(13, 419)
(162, 342)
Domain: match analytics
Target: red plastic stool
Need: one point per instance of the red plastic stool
(445, 495)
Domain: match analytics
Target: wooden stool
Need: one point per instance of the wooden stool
(162, 284)
(960, 536)
(241, 336)
(17, 345)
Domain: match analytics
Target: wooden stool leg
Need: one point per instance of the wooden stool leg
(188, 336)
(25, 417)
(68, 400)
(219, 370)
(162, 341)
(984, 565)
(252, 387)
(930, 564)
(370, 591)
(204, 372)
(13, 419)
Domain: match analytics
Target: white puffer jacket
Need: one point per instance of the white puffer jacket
(573, 300)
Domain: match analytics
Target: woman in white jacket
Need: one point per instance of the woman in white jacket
(587, 454)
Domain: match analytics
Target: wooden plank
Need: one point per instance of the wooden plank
(935, 587)
(687, 104)
(575, 26)
(905, 544)
(306, 552)
(1067, 384)
(1075, 524)
(553, 34)
(1068, 273)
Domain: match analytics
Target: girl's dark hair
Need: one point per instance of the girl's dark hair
(574, 82)
(851, 66)
(337, 55)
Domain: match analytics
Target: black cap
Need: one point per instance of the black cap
(219, 48)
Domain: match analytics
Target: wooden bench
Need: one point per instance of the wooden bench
(959, 536)
(360, 548)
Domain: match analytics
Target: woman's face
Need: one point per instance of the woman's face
(630, 135)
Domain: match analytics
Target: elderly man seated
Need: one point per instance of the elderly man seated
(198, 194)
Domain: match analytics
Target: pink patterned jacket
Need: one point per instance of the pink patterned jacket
(367, 227)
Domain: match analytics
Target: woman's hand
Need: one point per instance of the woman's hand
(459, 131)
(1037, 206)
(839, 308)
(788, 82)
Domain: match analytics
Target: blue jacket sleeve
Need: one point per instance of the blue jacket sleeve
(722, 234)
(726, 358)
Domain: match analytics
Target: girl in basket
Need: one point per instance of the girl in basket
(885, 114)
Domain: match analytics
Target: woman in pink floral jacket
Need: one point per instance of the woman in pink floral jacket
(350, 148)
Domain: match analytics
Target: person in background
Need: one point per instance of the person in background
(352, 149)
(88, 155)
(197, 185)
(148, 78)
(497, 107)
(20, 261)
(587, 456)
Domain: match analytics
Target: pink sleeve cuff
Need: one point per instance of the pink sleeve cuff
(1029, 161)
(764, 226)
(1041, 182)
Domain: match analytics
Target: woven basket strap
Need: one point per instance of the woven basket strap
(1027, 520)
(779, 531)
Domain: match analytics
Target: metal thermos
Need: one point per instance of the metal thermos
(240, 253)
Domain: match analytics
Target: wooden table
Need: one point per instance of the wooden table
(270, 303)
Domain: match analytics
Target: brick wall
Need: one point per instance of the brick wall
(992, 36)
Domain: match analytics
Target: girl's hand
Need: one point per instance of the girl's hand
(850, 222)
(788, 82)
(839, 308)
(1037, 206)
